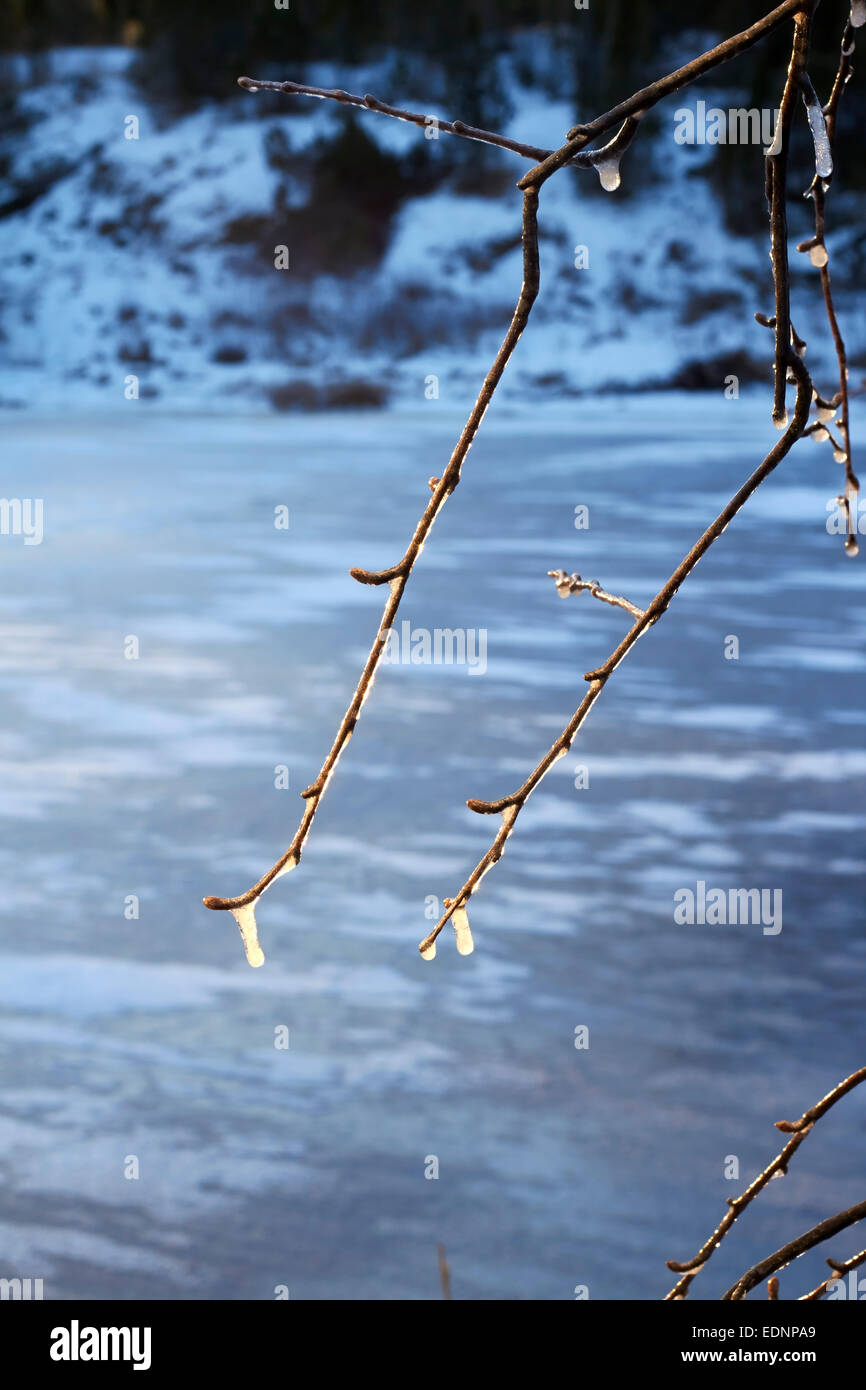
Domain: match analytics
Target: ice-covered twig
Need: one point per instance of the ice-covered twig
(777, 178)
(818, 127)
(606, 160)
(808, 1118)
(798, 1129)
(578, 136)
(509, 807)
(371, 103)
(573, 584)
(792, 1251)
(640, 102)
(819, 256)
(839, 1268)
(626, 116)
(397, 578)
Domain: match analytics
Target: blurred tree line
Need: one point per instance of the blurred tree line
(614, 44)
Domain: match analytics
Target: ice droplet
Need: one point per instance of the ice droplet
(781, 421)
(858, 13)
(820, 435)
(460, 923)
(246, 919)
(430, 953)
(851, 546)
(818, 255)
(608, 173)
(826, 413)
(839, 455)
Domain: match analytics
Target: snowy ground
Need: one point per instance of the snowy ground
(152, 258)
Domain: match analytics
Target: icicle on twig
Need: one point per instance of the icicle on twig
(606, 160)
(818, 127)
(460, 923)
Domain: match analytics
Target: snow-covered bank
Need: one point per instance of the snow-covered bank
(144, 267)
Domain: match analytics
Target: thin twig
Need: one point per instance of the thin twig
(585, 159)
(509, 807)
(371, 103)
(798, 1129)
(396, 578)
(818, 191)
(647, 97)
(626, 115)
(808, 1118)
(573, 584)
(444, 1272)
(777, 177)
(792, 1251)
(839, 1269)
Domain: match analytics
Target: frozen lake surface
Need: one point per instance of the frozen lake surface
(154, 777)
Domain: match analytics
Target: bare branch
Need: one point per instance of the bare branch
(819, 256)
(371, 103)
(444, 1272)
(808, 1118)
(647, 97)
(779, 1165)
(792, 1251)
(787, 367)
(777, 172)
(509, 807)
(839, 1269)
(243, 906)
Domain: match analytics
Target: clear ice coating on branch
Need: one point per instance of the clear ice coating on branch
(818, 255)
(858, 13)
(460, 923)
(818, 127)
(776, 147)
(290, 864)
(246, 919)
(430, 953)
(608, 173)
